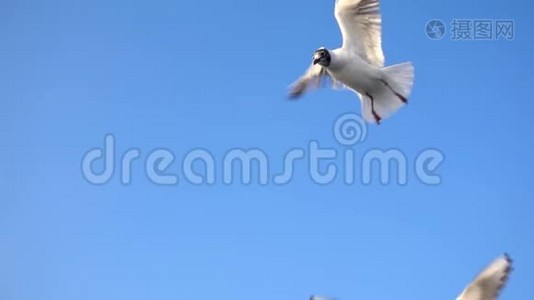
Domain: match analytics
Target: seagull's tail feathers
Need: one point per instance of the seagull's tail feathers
(396, 86)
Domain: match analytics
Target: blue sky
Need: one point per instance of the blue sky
(213, 74)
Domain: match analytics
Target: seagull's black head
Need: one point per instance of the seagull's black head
(322, 57)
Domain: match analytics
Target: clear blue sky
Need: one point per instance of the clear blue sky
(213, 74)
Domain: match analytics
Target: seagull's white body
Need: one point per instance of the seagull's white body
(359, 63)
(357, 75)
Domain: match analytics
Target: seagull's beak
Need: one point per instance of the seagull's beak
(316, 59)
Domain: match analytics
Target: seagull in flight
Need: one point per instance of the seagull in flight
(359, 64)
(486, 286)
(490, 282)
(315, 297)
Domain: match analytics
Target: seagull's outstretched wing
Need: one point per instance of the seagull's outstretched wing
(361, 26)
(314, 77)
(489, 283)
(314, 297)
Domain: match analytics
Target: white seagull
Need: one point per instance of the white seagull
(315, 297)
(490, 282)
(486, 286)
(359, 64)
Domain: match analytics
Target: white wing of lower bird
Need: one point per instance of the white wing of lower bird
(490, 282)
(314, 297)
